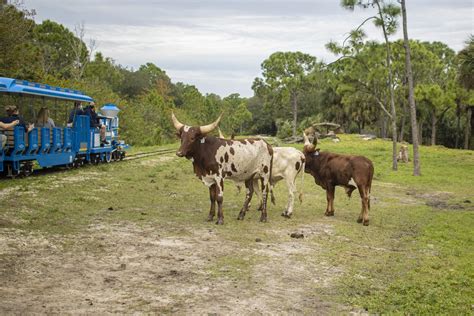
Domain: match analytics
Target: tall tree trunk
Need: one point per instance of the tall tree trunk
(458, 123)
(295, 111)
(420, 132)
(433, 128)
(393, 111)
(383, 126)
(402, 127)
(411, 95)
(467, 130)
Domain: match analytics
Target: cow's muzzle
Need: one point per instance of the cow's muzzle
(179, 153)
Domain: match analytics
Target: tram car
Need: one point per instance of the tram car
(64, 145)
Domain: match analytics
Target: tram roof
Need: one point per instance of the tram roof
(9, 85)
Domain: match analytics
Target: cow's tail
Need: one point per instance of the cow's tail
(270, 179)
(300, 196)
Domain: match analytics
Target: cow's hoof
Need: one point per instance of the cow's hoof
(220, 222)
(329, 214)
(359, 220)
(210, 218)
(366, 223)
(241, 216)
(263, 219)
(286, 215)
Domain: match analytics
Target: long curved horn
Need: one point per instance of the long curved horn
(209, 128)
(308, 147)
(220, 133)
(177, 124)
(306, 140)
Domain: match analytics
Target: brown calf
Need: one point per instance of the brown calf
(330, 170)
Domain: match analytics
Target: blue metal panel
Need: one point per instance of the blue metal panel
(98, 150)
(67, 139)
(81, 138)
(57, 143)
(31, 88)
(45, 140)
(32, 141)
(19, 139)
(55, 159)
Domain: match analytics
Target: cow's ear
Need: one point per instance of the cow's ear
(178, 134)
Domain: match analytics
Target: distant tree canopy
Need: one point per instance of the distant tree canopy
(294, 90)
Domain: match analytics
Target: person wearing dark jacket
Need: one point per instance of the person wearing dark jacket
(95, 122)
(77, 110)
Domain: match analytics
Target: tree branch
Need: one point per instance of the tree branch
(358, 28)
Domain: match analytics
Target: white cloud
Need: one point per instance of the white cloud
(218, 45)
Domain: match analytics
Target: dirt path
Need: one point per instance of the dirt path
(126, 268)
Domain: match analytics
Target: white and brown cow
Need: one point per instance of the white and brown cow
(288, 162)
(216, 159)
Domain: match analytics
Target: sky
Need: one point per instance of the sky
(219, 45)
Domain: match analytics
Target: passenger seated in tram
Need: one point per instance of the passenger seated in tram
(13, 114)
(77, 110)
(3, 126)
(43, 119)
(95, 123)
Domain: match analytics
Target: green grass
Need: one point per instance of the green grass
(412, 259)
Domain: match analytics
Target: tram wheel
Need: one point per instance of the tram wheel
(108, 157)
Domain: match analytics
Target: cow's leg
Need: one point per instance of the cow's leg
(212, 197)
(330, 192)
(220, 199)
(266, 185)
(258, 191)
(272, 197)
(248, 198)
(365, 201)
(291, 197)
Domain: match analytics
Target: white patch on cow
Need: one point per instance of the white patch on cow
(203, 140)
(248, 191)
(208, 180)
(186, 128)
(192, 159)
(316, 153)
(352, 182)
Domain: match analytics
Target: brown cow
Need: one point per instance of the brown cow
(216, 159)
(330, 170)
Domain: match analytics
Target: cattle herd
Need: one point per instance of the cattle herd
(252, 161)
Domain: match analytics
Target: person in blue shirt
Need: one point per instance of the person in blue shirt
(95, 122)
(14, 115)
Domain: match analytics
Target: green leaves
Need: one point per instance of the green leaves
(285, 76)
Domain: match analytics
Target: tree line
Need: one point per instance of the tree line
(365, 90)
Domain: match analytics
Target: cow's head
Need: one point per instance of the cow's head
(190, 135)
(310, 150)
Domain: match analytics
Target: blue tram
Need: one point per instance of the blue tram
(68, 146)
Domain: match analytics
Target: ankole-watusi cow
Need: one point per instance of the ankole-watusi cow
(288, 162)
(216, 159)
(330, 170)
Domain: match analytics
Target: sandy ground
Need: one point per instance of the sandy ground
(129, 269)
